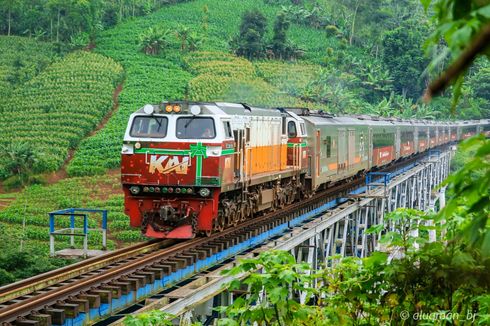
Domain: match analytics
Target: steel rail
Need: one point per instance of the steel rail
(38, 282)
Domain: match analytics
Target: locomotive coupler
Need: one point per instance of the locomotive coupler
(167, 213)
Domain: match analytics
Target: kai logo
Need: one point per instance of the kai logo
(166, 164)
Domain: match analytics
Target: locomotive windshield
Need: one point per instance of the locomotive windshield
(150, 127)
(195, 128)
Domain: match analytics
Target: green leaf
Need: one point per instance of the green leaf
(426, 4)
(462, 35)
(461, 8)
(278, 294)
(457, 92)
(485, 247)
(484, 11)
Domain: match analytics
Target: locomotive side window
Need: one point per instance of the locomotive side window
(302, 127)
(292, 129)
(150, 127)
(195, 128)
(227, 126)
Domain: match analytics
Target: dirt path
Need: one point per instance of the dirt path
(5, 202)
(61, 173)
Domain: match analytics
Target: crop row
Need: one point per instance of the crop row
(57, 108)
(22, 59)
(291, 78)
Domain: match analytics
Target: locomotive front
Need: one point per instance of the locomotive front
(173, 165)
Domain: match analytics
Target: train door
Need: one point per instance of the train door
(397, 142)
(317, 151)
(239, 136)
(342, 150)
(416, 139)
(351, 147)
(370, 147)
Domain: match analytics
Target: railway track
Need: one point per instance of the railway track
(74, 271)
(106, 284)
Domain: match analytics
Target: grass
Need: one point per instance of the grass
(34, 203)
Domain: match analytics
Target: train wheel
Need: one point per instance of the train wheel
(220, 222)
(236, 217)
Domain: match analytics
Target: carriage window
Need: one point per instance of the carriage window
(292, 129)
(382, 140)
(195, 128)
(149, 127)
(228, 133)
(328, 144)
(406, 136)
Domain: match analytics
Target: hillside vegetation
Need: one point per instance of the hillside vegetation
(52, 112)
(21, 60)
(31, 208)
(213, 73)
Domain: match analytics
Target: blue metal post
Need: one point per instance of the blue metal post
(51, 222)
(85, 224)
(104, 219)
(85, 238)
(51, 235)
(72, 227)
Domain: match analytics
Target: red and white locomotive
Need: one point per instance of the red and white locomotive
(192, 168)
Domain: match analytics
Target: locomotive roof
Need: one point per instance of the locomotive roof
(244, 109)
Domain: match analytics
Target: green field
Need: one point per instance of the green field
(53, 111)
(33, 205)
(22, 59)
(24, 225)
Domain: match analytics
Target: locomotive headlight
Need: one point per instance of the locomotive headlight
(195, 109)
(134, 190)
(177, 108)
(148, 109)
(168, 108)
(204, 192)
(137, 145)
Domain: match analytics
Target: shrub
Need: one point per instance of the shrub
(250, 42)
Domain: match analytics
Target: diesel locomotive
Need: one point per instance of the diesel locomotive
(194, 168)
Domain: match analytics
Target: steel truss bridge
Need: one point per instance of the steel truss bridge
(339, 232)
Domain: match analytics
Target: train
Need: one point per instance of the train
(195, 168)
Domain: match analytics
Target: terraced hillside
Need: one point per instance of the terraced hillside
(22, 59)
(57, 108)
